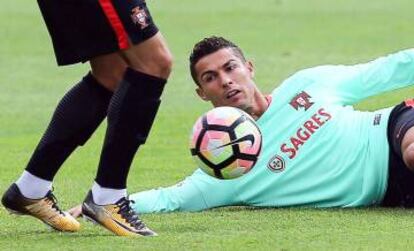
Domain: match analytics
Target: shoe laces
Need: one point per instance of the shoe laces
(53, 202)
(128, 213)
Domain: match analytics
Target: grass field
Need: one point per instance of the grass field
(280, 36)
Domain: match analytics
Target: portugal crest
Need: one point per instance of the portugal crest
(302, 100)
(139, 17)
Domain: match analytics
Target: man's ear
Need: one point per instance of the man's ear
(201, 94)
(250, 67)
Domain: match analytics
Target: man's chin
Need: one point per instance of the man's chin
(240, 105)
(237, 104)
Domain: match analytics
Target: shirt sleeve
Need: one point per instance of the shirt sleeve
(351, 84)
(197, 192)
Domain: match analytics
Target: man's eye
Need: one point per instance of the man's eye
(208, 78)
(231, 67)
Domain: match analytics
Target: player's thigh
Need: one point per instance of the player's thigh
(82, 30)
(108, 70)
(407, 148)
(401, 132)
(400, 189)
(147, 50)
(408, 138)
(79, 29)
(151, 56)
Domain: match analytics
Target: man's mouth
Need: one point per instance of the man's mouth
(232, 93)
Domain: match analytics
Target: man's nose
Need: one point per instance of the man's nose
(226, 80)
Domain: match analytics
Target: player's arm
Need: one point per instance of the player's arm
(197, 192)
(183, 196)
(351, 84)
(76, 211)
(381, 75)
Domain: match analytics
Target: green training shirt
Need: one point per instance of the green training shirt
(317, 150)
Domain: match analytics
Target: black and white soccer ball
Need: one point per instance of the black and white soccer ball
(225, 142)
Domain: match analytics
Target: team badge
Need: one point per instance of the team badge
(139, 17)
(302, 100)
(276, 164)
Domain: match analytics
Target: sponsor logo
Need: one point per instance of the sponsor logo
(276, 164)
(139, 17)
(302, 100)
(248, 137)
(305, 132)
(377, 119)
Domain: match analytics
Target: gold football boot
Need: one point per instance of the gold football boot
(119, 218)
(45, 209)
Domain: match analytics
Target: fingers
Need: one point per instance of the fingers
(76, 212)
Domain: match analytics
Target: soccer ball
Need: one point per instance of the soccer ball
(225, 142)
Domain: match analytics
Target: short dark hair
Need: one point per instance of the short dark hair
(208, 46)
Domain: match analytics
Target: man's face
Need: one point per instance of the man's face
(225, 80)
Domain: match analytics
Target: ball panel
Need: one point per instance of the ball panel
(245, 164)
(224, 116)
(249, 146)
(232, 171)
(204, 167)
(211, 146)
(258, 143)
(198, 126)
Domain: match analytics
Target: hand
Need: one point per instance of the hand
(76, 212)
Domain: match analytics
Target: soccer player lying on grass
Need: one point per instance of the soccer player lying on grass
(317, 150)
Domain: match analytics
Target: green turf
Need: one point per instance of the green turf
(280, 36)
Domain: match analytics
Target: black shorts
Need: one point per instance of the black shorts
(83, 29)
(400, 190)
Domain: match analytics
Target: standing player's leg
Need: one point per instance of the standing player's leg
(108, 70)
(76, 117)
(72, 28)
(133, 108)
(130, 116)
(98, 28)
